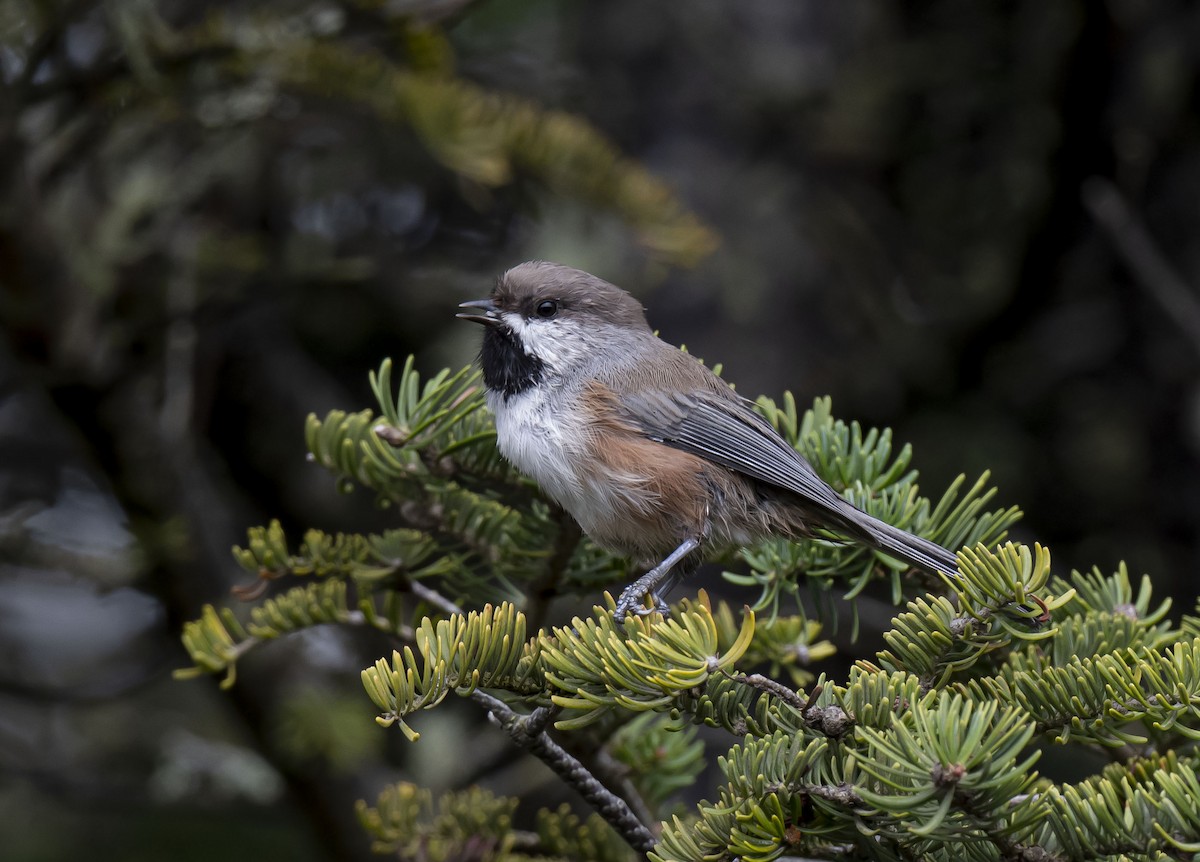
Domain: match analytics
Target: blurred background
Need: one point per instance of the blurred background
(973, 222)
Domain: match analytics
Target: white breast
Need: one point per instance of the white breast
(550, 447)
(531, 436)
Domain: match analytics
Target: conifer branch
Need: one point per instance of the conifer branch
(923, 752)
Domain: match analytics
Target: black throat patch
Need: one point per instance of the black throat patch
(507, 368)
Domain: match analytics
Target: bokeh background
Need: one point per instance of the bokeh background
(973, 222)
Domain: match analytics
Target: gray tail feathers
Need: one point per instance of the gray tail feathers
(895, 542)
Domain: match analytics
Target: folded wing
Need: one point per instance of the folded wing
(723, 429)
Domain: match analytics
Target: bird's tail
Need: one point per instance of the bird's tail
(922, 553)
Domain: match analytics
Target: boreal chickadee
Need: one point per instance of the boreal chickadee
(654, 455)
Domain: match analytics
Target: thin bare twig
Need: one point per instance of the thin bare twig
(433, 597)
(1141, 254)
(616, 774)
(525, 733)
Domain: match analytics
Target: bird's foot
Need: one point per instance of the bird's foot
(655, 583)
(633, 600)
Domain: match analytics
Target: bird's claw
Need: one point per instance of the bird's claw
(632, 600)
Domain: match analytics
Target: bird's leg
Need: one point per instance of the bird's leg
(655, 582)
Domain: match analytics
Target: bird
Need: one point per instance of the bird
(657, 458)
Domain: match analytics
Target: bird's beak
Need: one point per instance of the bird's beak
(490, 316)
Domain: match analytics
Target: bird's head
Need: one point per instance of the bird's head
(547, 319)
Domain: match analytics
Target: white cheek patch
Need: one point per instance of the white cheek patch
(514, 321)
(557, 343)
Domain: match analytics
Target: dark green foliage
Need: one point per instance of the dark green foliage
(662, 756)
(564, 833)
(485, 137)
(406, 824)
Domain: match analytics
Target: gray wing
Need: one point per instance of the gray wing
(721, 427)
(727, 431)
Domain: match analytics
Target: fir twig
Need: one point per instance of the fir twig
(433, 597)
(525, 733)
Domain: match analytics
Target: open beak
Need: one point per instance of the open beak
(490, 316)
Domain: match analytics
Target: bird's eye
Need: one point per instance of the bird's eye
(547, 308)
